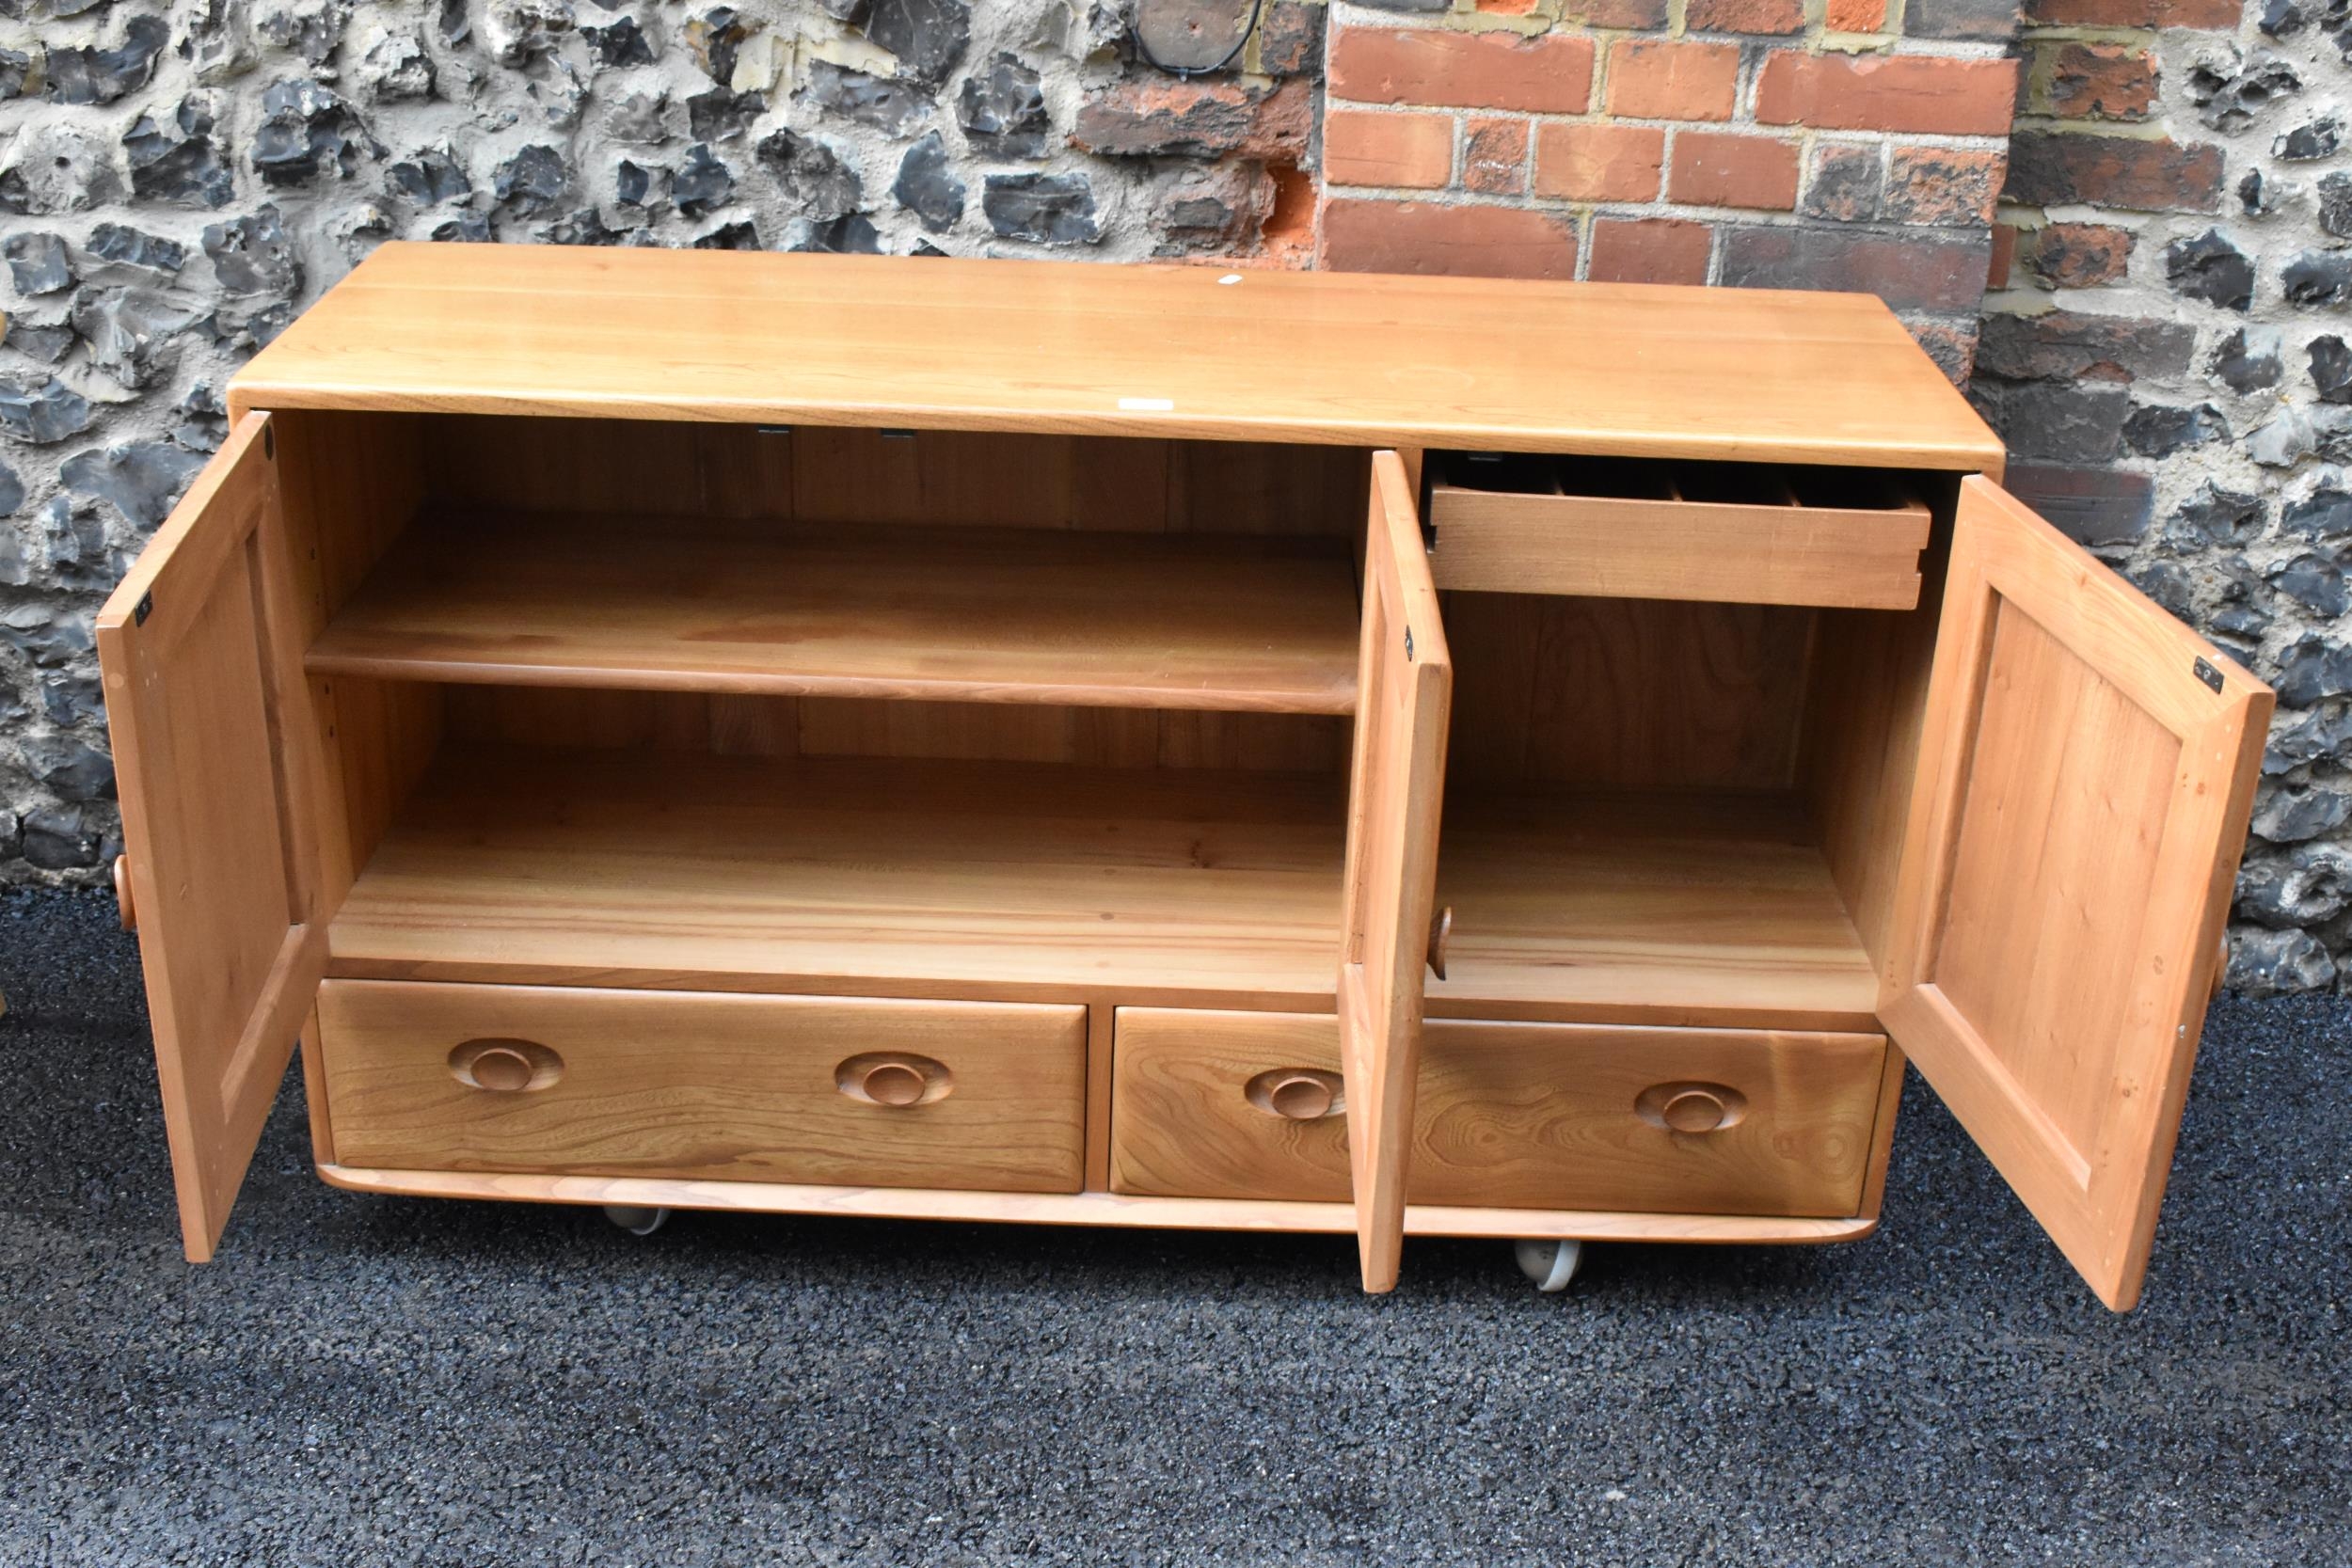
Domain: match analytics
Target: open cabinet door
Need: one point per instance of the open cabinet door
(202, 669)
(1404, 685)
(2086, 775)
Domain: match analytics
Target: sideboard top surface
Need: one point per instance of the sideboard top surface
(1146, 351)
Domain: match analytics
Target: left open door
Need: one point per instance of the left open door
(203, 671)
(1405, 688)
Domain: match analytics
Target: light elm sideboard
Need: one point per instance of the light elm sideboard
(1155, 747)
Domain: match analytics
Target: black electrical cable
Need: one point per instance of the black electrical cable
(1186, 72)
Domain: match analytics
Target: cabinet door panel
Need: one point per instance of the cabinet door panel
(2086, 776)
(1405, 684)
(201, 668)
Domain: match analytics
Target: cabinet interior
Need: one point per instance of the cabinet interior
(713, 708)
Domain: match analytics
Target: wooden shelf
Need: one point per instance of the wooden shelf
(856, 876)
(1234, 623)
(1170, 887)
(1656, 908)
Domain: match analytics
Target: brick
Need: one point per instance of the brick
(1952, 344)
(1654, 79)
(1943, 184)
(1648, 250)
(2091, 505)
(1747, 16)
(1414, 151)
(2101, 81)
(2004, 255)
(1160, 117)
(1419, 237)
(2054, 420)
(2074, 255)
(1494, 156)
(2077, 345)
(1844, 185)
(1988, 21)
(1854, 16)
(1599, 163)
(2049, 168)
(1714, 170)
(2209, 15)
(1914, 271)
(1933, 93)
(1632, 15)
(1551, 75)
(1290, 40)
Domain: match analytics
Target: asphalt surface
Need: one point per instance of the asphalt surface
(362, 1380)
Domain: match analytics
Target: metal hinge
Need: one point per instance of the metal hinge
(1408, 644)
(146, 607)
(2207, 674)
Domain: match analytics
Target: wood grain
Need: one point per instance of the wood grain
(996, 881)
(218, 767)
(1625, 693)
(702, 1087)
(1394, 801)
(2068, 864)
(1625, 548)
(1509, 1116)
(1692, 909)
(1088, 1209)
(933, 344)
(980, 615)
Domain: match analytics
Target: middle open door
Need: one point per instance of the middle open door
(1404, 688)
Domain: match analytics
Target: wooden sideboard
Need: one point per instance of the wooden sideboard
(1143, 746)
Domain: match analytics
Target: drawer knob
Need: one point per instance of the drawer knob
(1440, 928)
(1297, 1094)
(893, 1078)
(506, 1065)
(128, 913)
(1691, 1108)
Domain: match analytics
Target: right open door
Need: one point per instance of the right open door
(2086, 774)
(1405, 684)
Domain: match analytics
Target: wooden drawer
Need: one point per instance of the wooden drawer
(1511, 1116)
(837, 1092)
(1621, 528)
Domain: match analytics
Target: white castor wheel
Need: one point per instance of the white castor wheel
(636, 1221)
(1550, 1264)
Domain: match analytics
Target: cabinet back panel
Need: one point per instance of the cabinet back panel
(819, 726)
(1626, 693)
(851, 475)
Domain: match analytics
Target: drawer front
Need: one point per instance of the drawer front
(1510, 1116)
(831, 1091)
(1626, 529)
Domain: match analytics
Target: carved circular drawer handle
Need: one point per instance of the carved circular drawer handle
(1297, 1094)
(126, 911)
(1692, 1108)
(893, 1079)
(506, 1065)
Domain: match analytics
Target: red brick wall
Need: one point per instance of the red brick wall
(1809, 144)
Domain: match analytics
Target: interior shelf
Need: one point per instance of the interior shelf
(535, 865)
(1651, 908)
(644, 868)
(1230, 623)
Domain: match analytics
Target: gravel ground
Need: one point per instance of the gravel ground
(362, 1380)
